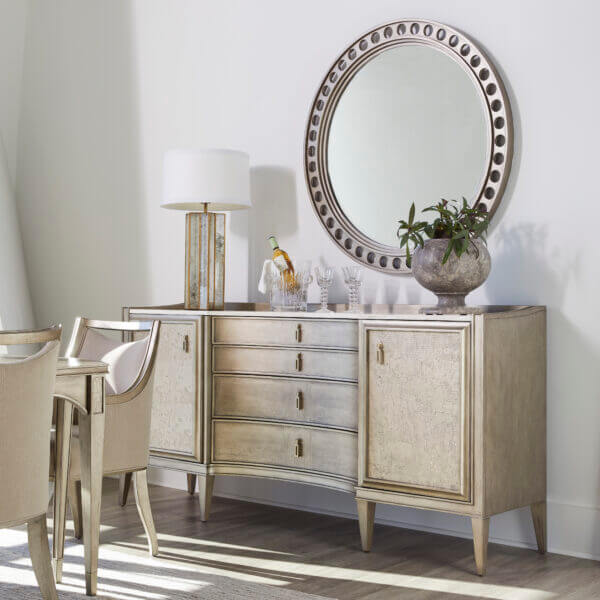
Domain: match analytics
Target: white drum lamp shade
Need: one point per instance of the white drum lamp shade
(205, 183)
(213, 180)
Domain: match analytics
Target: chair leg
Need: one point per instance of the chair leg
(74, 494)
(124, 485)
(64, 420)
(142, 500)
(191, 480)
(39, 550)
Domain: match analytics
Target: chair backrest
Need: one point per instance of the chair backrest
(26, 399)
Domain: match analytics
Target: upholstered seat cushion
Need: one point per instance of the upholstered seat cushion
(124, 360)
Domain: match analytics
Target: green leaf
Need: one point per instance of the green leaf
(448, 252)
(461, 234)
(411, 214)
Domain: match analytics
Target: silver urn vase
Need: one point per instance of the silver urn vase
(452, 281)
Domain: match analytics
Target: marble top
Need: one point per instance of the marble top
(339, 311)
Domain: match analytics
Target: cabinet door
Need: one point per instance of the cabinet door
(176, 409)
(416, 409)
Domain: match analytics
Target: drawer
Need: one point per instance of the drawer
(291, 446)
(286, 332)
(329, 364)
(308, 401)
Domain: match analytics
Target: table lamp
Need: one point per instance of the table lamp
(204, 183)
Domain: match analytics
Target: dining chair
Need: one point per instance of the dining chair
(128, 397)
(26, 391)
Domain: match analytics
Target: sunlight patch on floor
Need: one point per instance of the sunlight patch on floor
(299, 569)
(162, 537)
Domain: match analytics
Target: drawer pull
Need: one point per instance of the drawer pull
(299, 402)
(298, 333)
(186, 343)
(380, 357)
(298, 449)
(299, 362)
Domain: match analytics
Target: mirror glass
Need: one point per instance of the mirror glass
(411, 126)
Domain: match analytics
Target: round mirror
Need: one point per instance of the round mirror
(418, 124)
(411, 112)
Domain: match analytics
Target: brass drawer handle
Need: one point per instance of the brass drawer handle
(298, 333)
(186, 343)
(299, 362)
(298, 450)
(380, 357)
(299, 401)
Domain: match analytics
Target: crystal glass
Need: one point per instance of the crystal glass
(324, 280)
(303, 280)
(353, 281)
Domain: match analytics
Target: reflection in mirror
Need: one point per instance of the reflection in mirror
(409, 127)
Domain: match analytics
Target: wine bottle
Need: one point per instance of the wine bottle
(282, 261)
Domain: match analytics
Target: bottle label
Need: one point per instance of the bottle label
(280, 263)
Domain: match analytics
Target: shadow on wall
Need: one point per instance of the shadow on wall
(523, 263)
(528, 269)
(79, 189)
(274, 211)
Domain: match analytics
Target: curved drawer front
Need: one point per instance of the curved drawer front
(291, 446)
(327, 364)
(308, 401)
(285, 332)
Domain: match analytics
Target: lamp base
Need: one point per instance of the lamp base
(204, 261)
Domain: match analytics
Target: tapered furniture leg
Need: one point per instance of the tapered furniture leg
(91, 441)
(124, 485)
(142, 500)
(481, 531)
(74, 494)
(191, 481)
(39, 550)
(538, 513)
(64, 420)
(366, 522)
(205, 490)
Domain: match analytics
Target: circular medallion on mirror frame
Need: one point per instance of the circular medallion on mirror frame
(460, 48)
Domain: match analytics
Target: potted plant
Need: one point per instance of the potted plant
(454, 260)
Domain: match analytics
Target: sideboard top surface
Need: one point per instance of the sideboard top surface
(339, 311)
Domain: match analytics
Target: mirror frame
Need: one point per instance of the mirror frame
(484, 76)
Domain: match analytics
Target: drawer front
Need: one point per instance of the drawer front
(286, 332)
(416, 409)
(328, 364)
(175, 428)
(308, 401)
(277, 445)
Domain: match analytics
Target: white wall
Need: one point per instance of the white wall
(109, 86)
(13, 24)
(15, 303)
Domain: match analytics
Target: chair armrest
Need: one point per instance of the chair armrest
(145, 372)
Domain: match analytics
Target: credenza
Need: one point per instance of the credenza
(392, 404)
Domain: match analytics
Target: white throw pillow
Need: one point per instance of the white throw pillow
(124, 360)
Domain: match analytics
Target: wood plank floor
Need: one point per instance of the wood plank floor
(320, 554)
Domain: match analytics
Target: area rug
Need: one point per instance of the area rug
(127, 575)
